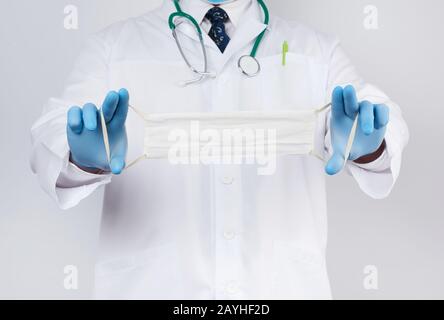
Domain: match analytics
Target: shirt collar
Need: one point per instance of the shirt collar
(198, 9)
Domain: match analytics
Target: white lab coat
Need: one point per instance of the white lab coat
(217, 231)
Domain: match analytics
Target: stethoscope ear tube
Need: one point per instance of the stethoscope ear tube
(202, 75)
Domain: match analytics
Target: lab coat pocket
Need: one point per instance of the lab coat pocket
(300, 83)
(129, 277)
(298, 273)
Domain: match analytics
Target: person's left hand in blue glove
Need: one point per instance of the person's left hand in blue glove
(369, 143)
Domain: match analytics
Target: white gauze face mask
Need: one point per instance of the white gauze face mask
(253, 138)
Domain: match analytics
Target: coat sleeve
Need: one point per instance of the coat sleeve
(377, 178)
(63, 181)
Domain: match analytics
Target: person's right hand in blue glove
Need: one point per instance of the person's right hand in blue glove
(85, 137)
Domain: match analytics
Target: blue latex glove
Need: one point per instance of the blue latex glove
(372, 125)
(85, 137)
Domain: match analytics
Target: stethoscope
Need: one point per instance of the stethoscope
(247, 64)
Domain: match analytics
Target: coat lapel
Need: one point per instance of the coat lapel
(244, 38)
(189, 31)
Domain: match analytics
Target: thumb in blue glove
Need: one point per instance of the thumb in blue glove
(372, 125)
(85, 137)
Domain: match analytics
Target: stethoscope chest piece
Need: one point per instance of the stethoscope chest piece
(249, 66)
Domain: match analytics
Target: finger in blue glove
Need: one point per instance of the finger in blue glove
(84, 132)
(370, 132)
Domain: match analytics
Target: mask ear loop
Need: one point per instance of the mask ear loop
(106, 138)
(351, 137)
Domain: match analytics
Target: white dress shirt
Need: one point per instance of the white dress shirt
(235, 10)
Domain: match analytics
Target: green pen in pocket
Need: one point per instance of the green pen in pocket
(284, 53)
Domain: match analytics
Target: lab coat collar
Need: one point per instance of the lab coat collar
(197, 9)
(236, 10)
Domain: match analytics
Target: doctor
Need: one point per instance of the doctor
(212, 231)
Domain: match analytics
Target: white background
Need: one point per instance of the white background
(403, 235)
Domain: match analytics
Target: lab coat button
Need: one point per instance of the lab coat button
(231, 289)
(229, 235)
(227, 180)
